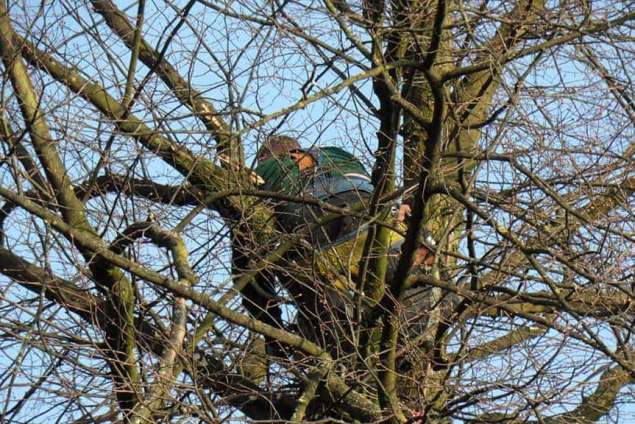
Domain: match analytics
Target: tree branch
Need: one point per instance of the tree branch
(176, 195)
(354, 402)
(121, 332)
(60, 291)
(202, 109)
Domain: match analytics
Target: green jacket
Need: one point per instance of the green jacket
(336, 171)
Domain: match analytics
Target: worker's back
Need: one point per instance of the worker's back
(328, 174)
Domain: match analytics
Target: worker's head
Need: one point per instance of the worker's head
(276, 146)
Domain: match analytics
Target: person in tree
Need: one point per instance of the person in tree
(333, 244)
(328, 174)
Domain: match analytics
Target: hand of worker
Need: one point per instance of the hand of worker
(404, 212)
(423, 255)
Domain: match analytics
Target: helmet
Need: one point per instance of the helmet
(277, 145)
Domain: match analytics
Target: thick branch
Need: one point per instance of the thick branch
(176, 195)
(120, 25)
(55, 289)
(72, 209)
(22, 154)
(500, 344)
(598, 404)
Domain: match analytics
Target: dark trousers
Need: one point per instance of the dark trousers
(321, 308)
